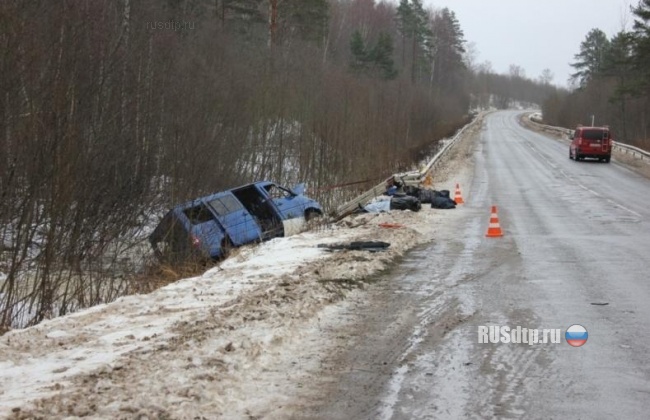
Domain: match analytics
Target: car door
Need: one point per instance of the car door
(286, 201)
(593, 139)
(240, 225)
(205, 232)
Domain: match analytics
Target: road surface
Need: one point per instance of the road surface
(575, 250)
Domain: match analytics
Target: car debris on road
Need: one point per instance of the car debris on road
(371, 246)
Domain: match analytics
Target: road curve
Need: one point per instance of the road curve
(576, 250)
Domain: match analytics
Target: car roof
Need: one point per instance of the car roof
(196, 201)
(593, 128)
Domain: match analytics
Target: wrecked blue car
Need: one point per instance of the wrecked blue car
(208, 227)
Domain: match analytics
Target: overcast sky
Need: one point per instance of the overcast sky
(535, 34)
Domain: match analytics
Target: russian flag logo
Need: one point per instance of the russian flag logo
(576, 335)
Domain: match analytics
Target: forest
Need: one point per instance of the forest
(113, 111)
(612, 83)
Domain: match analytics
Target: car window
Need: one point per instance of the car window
(226, 205)
(198, 214)
(218, 207)
(277, 192)
(593, 134)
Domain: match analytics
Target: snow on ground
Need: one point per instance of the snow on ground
(187, 347)
(241, 338)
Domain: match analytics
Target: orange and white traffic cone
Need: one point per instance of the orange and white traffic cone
(458, 198)
(494, 229)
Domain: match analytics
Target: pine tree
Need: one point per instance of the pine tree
(618, 60)
(306, 18)
(619, 65)
(413, 25)
(376, 61)
(448, 64)
(641, 45)
(591, 58)
(382, 56)
(405, 23)
(359, 60)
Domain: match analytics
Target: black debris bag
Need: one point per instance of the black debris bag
(412, 190)
(426, 196)
(441, 200)
(405, 202)
(442, 193)
(372, 246)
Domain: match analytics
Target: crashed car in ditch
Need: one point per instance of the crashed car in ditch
(208, 227)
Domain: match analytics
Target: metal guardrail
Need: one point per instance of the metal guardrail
(634, 151)
(363, 199)
(622, 147)
(414, 176)
(437, 158)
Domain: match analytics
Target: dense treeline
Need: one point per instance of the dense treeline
(503, 91)
(112, 111)
(613, 83)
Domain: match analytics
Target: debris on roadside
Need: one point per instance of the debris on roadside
(441, 200)
(380, 205)
(424, 195)
(371, 246)
(405, 202)
(387, 225)
(397, 201)
(437, 199)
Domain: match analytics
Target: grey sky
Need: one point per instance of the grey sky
(535, 34)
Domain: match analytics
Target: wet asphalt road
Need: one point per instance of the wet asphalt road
(576, 250)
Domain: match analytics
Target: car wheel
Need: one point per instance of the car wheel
(312, 218)
(570, 154)
(607, 159)
(312, 214)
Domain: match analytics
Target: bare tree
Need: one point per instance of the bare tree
(546, 77)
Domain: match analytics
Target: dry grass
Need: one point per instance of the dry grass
(640, 166)
(157, 275)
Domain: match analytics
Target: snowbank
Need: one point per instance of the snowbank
(196, 346)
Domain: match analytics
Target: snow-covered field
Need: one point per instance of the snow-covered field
(243, 337)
